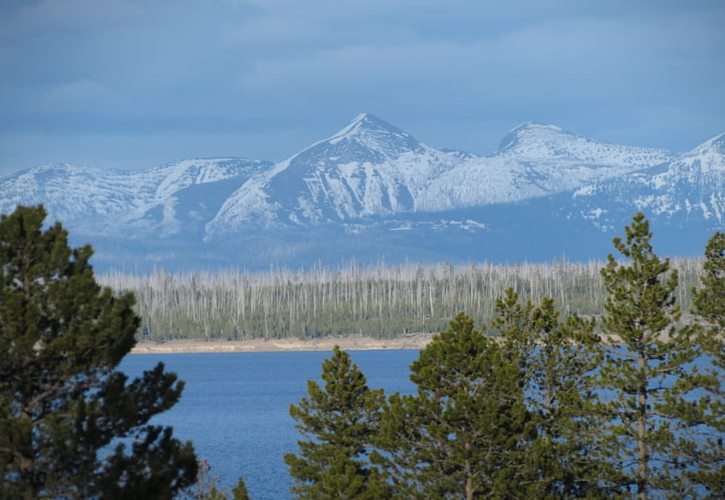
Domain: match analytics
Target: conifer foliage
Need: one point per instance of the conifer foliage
(463, 434)
(706, 420)
(340, 419)
(557, 361)
(648, 367)
(709, 301)
(62, 404)
(538, 406)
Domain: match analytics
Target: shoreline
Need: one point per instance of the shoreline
(417, 341)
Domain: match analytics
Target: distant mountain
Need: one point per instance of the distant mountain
(538, 142)
(535, 160)
(143, 202)
(369, 168)
(690, 190)
(373, 191)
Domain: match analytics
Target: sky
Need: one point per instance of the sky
(131, 84)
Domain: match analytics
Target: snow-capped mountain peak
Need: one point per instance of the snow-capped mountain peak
(533, 133)
(690, 186)
(704, 165)
(373, 179)
(716, 145)
(366, 125)
(358, 125)
(61, 169)
(539, 142)
(365, 133)
(368, 168)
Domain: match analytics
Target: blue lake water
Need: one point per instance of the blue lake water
(235, 407)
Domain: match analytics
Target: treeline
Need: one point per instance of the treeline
(381, 302)
(534, 404)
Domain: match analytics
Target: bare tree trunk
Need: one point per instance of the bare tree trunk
(469, 477)
(26, 462)
(642, 482)
(26, 468)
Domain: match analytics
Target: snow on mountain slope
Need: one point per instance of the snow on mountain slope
(175, 176)
(158, 188)
(371, 168)
(368, 168)
(83, 195)
(534, 160)
(99, 201)
(374, 185)
(540, 142)
(481, 181)
(692, 185)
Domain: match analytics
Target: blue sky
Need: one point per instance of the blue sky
(132, 84)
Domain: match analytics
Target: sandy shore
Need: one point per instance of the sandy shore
(417, 341)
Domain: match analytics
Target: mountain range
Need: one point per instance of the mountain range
(372, 191)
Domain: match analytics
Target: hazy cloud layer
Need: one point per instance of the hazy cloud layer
(131, 83)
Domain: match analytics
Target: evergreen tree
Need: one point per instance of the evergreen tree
(704, 453)
(645, 371)
(462, 434)
(568, 454)
(340, 420)
(709, 301)
(239, 492)
(63, 407)
(513, 325)
(207, 487)
(557, 361)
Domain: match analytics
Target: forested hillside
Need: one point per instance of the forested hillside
(382, 301)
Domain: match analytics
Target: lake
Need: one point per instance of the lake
(235, 406)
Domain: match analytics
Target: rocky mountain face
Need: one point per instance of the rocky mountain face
(373, 191)
(143, 202)
(689, 190)
(367, 169)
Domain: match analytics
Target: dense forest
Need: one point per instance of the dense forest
(382, 301)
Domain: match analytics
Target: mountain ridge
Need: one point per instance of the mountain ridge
(373, 180)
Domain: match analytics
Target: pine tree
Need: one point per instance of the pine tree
(239, 492)
(63, 407)
(340, 420)
(560, 389)
(557, 361)
(709, 302)
(207, 486)
(646, 366)
(461, 434)
(704, 454)
(513, 325)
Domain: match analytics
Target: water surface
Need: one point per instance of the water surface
(235, 407)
